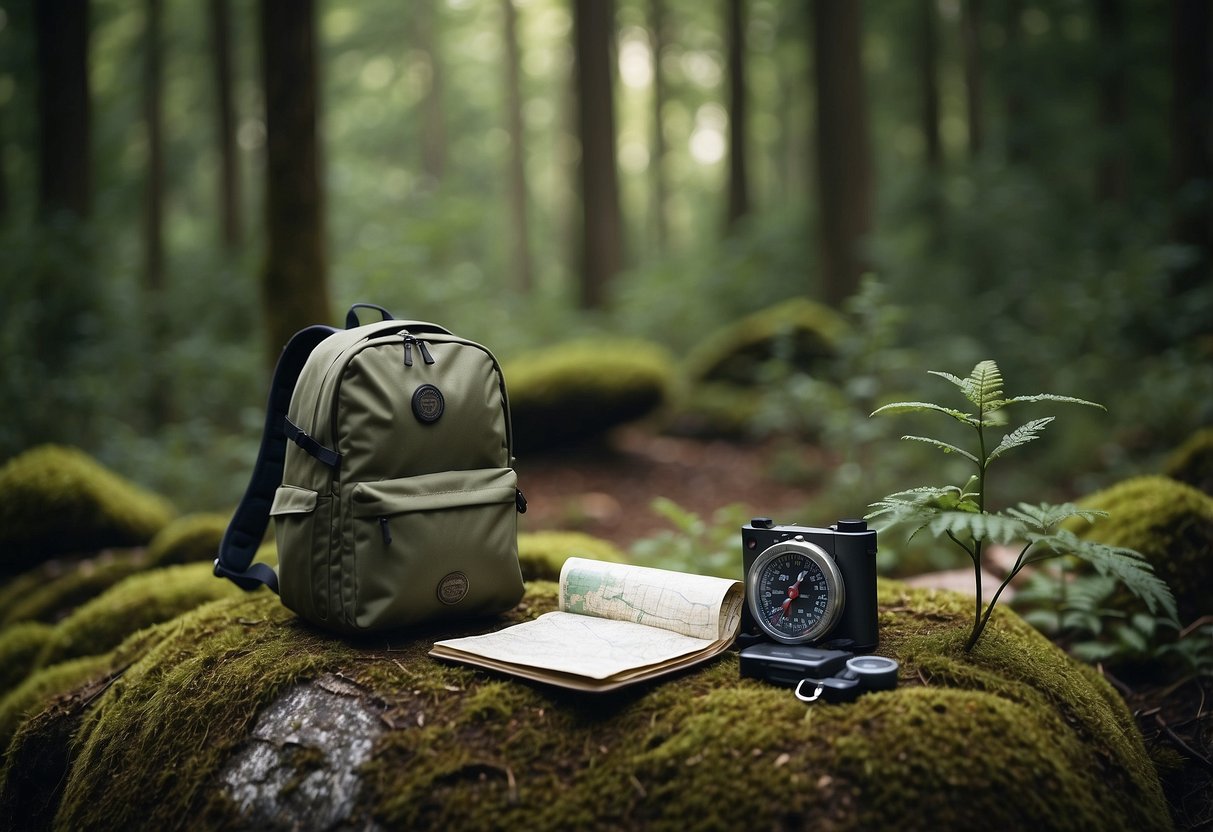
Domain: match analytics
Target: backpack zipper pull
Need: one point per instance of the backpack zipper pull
(385, 531)
(425, 353)
(409, 340)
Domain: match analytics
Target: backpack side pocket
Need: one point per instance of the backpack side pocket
(301, 525)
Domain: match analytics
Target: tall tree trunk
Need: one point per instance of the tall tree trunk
(657, 153)
(602, 228)
(158, 395)
(433, 123)
(739, 186)
(229, 158)
(64, 112)
(844, 157)
(928, 74)
(516, 174)
(294, 286)
(1019, 129)
(1111, 176)
(970, 37)
(1192, 138)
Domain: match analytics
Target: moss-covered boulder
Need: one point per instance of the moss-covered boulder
(229, 717)
(1192, 462)
(1171, 524)
(56, 500)
(188, 539)
(576, 392)
(52, 590)
(800, 332)
(20, 646)
(542, 554)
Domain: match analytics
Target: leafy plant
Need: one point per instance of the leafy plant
(961, 513)
(708, 547)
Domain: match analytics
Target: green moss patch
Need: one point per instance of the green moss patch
(55, 500)
(542, 554)
(1192, 462)
(20, 646)
(53, 590)
(576, 392)
(188, 539)
(1171, 524)
(1014, 735)
(799, 332)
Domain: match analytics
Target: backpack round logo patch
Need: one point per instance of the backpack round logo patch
(428, 404)
(452, 588)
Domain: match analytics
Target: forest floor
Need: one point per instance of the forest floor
(607, 491)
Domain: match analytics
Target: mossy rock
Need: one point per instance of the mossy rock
(802, 333)
(56, 500)
(1192, 462)
(542, 554)
(188, 539)
(215, 722)
(20, 646)
(1168, 522)
(716, 410)
(51, 591)
(576, 392)
(138, 601)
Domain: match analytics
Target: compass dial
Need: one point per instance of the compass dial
(795, 591)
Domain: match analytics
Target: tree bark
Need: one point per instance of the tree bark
(970, 36)
(657, 153)
(294, 284)
(739, 186)
(1192, 138)
(516, 174)
(844, 157)
(602, 228)
(158, 393)
(1111, 176)
(229, 157)
(64, 111)
(928, 73)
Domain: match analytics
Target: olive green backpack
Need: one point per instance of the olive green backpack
(387, 466)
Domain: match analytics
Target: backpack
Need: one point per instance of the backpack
(386, 463)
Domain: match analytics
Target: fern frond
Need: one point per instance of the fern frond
(914, 407)
(986, 380)
(1022, 435)
(943, 446)
(1045, 516)
(998, 528)
(1125, 565)
(1045, 397)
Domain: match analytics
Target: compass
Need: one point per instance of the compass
(795, 591)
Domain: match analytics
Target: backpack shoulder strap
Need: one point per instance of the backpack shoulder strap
(247, 527)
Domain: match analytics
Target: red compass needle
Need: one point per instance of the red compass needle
(793, 594)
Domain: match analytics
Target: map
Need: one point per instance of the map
(616, 624)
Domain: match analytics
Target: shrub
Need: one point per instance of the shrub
(56, 499)
(577, 391)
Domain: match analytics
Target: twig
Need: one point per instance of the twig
(1175, 738)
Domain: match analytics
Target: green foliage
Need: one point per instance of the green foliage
(55, 500)
(961, 514)
(694, 544)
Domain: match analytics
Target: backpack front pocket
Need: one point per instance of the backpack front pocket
(433, 546)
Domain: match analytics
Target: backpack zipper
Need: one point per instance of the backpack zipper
(385, 531)
(409, 342)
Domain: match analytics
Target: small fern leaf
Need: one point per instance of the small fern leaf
(1022, 435)
(1045, 516)
(998, 528)
(914, 407)
(986, 381)
(1047, 397)
(943, 446)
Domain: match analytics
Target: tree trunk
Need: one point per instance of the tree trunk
(516, 174)
(657, 153)
(1192, 138)
(158, 394)
(602, 229)
(1019, 129)
(1111, 176)
(970, 35)
(229, 159)
(928, 74)
(739, 186)
(294, 290)
(844, 158)
(64, 113)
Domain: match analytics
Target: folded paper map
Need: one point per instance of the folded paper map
(617, 624)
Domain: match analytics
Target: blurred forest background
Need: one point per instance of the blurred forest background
(184, 184)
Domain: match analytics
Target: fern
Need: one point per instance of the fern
(960, 514)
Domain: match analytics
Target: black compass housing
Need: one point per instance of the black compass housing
(852, 546)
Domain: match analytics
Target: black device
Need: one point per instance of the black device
(809, 586)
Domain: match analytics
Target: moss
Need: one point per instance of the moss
(1171, 524)
(41, 686)
(20, 645)
(716, 409)
(55, 500)
(800, 332)
(575, 392)
(1192, 462)
(188, 539)
(60, 586)
(542, 554)
(1013, 735)
(136, 602)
